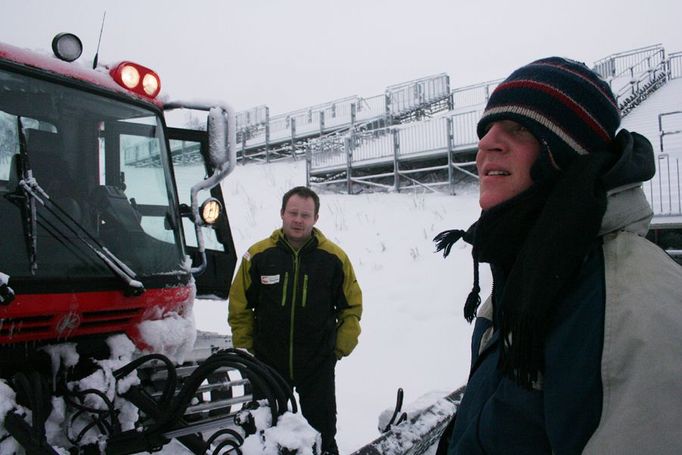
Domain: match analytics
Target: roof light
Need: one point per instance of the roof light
(130, 76)
(137, 78)
(150, 84)
(67, 46)
(210, 210)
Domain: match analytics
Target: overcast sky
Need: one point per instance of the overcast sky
(292, 54)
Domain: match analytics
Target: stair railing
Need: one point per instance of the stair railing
(664, 191)
(618, 64)
(675, 65)
(642, 79)
(473, 95)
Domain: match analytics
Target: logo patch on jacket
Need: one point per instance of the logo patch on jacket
(269, 279)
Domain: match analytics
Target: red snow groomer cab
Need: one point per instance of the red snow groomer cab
(102, 230)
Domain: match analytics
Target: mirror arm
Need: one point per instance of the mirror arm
(219, 139)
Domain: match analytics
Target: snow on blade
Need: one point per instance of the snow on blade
(418, 433)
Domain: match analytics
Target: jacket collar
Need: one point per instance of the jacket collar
(317, 238)
(627, 210)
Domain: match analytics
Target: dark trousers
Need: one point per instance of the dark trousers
(317, 396)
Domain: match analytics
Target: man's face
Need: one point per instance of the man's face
(505, 156)
(298, 219)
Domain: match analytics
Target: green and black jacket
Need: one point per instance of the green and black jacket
(295, 309)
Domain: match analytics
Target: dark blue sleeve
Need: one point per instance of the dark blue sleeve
(572, 379)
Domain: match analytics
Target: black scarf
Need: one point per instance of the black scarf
(539, 238)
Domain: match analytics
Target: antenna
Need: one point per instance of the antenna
(94, 63)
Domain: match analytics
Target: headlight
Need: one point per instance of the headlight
(150, 84)
(67, 47)
(130, 76)
(210, 210)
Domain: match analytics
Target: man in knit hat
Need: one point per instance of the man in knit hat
(578, 349)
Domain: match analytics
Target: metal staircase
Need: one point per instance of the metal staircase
(634, 75)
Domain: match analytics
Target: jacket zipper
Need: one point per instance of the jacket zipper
(293, 313)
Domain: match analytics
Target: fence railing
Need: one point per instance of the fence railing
(371, 108)
(633, 75)
(408, 96)
(675, 65)
(256, 128)
(253, 117)
(384, 145)
(473, 95)
(663, 191)
(619, 64)
(670, 131)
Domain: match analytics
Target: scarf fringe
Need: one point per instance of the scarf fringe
(474, 298)
(446, 239)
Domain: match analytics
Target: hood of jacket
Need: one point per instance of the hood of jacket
(627, 208)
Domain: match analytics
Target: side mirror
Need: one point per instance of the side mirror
(221, 150)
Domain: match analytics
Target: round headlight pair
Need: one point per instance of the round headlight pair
(131, 75)
(137, 78)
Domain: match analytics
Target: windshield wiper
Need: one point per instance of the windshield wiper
(29, 203)
(118, 267)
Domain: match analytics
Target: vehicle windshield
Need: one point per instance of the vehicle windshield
(103, 164)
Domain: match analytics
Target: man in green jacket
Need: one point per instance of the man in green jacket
(296, 305)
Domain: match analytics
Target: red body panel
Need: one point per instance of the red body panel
(42, 317)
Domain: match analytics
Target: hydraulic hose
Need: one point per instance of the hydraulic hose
(34, 388)
(171, 380)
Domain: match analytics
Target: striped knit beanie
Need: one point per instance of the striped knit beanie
(563, 103)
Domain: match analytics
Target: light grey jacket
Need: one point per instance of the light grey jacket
(641, 364)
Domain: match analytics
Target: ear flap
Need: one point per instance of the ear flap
(544, 168)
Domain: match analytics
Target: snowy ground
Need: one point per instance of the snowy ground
(414, 335)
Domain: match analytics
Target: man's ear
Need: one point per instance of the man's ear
(317, 215)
